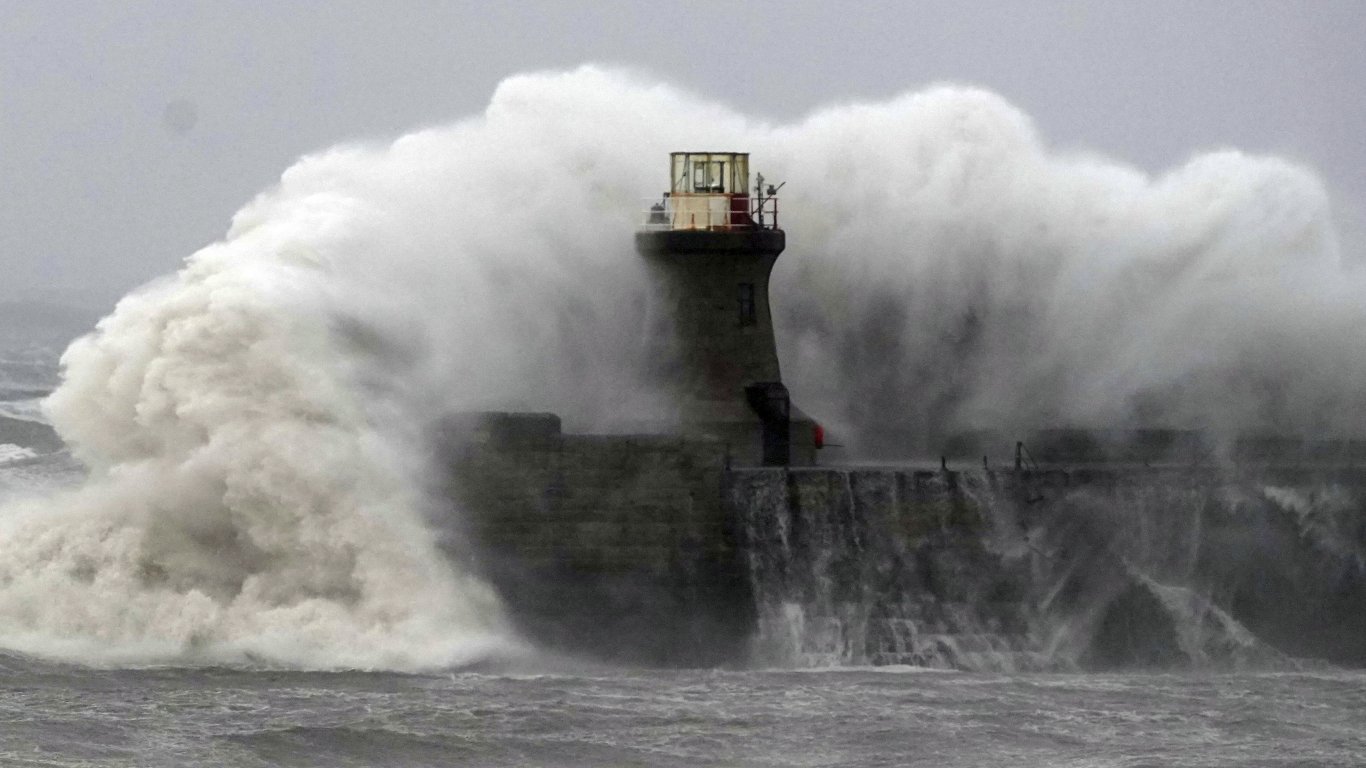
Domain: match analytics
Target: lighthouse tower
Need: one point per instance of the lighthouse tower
(711, 247)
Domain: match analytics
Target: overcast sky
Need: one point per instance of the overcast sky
(130, 132)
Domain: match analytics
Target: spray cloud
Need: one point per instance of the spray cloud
(950, 272)
(253, 424)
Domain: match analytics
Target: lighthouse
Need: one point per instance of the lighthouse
(711, 247)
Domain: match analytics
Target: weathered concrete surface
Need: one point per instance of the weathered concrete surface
(1094, 568)
(616, 547)
(648, 550)
(1273, 552)
(713, 333)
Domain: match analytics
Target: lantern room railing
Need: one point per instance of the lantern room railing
(710, 212)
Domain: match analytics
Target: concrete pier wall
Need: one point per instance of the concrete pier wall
(1058, 569)
(651, 550)
(617, 547)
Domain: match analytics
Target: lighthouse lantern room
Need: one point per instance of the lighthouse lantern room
(710, 191)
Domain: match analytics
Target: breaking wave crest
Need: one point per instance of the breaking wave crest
(246, 501)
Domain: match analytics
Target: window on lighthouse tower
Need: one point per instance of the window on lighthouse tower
(747, 312)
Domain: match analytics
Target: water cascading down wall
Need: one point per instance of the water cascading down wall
(1011, 570)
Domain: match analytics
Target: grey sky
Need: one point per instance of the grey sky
(130, 132)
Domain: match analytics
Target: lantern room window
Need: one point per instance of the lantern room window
(710, 173)
(700, 177)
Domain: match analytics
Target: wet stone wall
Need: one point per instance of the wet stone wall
(1099, 568)
(615, 547)
(648, 550)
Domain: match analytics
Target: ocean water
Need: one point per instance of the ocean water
(28, 372)
(29, 465)
(73, 716)
(558, 714)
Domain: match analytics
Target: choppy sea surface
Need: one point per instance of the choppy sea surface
(29, 462)
(70, 715)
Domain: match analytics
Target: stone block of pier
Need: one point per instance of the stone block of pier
(611, 546)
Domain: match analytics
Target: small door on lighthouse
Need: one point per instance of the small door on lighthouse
(770, 401)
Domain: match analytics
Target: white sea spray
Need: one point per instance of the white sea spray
(253, 424)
